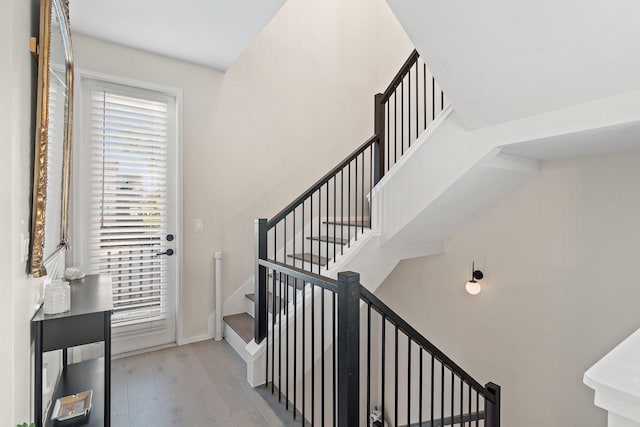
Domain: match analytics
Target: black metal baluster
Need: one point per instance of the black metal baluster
(424, 93)
(401, 120)
(273, 323)
(442, 391)
(417, 102)
(368, 406)
(304, 333)
(313, 351)
(388, 127)
(284, 238)
(441, 100)
(433, 374)
(408, 108)
(408, 380)
(433, 98)
(371, 159)
(349, 204)
(335, 179)
(267, 336)
(327, 226)
(293, 249)
(322, 292)
(469, 404)
(477, 408)
(452, 395)
(362, 196)
(335, 358)
(461, 401)
(295, 343)
(420, 391)
(395, 126)
(355, 198)
(311, 234)
(395, 387)
(320, 231)
(286, 293)
(383, 360)
(341, 210)
(278, 297)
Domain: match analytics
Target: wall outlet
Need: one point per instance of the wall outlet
(198, 225)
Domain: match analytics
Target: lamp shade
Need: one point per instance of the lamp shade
(473, 287)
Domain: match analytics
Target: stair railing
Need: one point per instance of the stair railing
(295, 246)
(335, 351)
(316, 227)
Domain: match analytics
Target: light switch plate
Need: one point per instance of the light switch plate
(198, 225)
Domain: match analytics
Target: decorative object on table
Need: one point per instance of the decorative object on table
(26, 425)
(57, 297)
(74, 406)
(73, 273)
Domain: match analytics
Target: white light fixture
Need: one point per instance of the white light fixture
(472, 286)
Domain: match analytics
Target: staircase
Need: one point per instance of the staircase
(317, 338)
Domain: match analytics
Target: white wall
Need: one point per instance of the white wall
(560, 288)
(297, 101)
(18, 301)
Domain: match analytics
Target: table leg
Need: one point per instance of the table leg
(37, 405)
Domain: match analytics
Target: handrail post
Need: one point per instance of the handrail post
(348, 349)
(379, 130)
(493, 408)
(260, 282)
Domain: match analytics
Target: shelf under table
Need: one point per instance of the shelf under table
(76, 378)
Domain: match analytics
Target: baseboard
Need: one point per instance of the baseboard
(197, 338)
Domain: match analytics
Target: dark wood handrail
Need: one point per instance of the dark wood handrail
(304, 275)
(413, 58)
(322, 181)
(416, 336)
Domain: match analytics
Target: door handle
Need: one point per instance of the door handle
(168, 252)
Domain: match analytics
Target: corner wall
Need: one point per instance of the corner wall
(20, 292)
(560, 288)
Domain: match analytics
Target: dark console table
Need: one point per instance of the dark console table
(88, 321)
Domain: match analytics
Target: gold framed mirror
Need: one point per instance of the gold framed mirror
(52, 153)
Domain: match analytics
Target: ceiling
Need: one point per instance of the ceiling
(212, 33)
(501, 60)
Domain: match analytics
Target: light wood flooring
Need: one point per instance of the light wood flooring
(196, 385)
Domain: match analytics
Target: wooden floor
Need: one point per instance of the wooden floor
(201, 384)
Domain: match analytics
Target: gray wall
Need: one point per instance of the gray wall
(561, 266)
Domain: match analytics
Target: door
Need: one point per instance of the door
(130, 157)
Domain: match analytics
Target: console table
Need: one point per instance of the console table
(88, 321)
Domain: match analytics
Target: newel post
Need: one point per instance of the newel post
(380, 131)
(493, 408)
(260, 281)
(348, 349)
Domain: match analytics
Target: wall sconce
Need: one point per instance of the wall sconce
(472, 286)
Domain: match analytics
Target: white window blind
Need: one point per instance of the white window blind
(128, 202)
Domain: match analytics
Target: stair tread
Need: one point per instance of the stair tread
(242, 323)
(279, 301)
(329, 239)
(312, 258)
(366, 223)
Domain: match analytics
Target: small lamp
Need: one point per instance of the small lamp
(472, 286)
